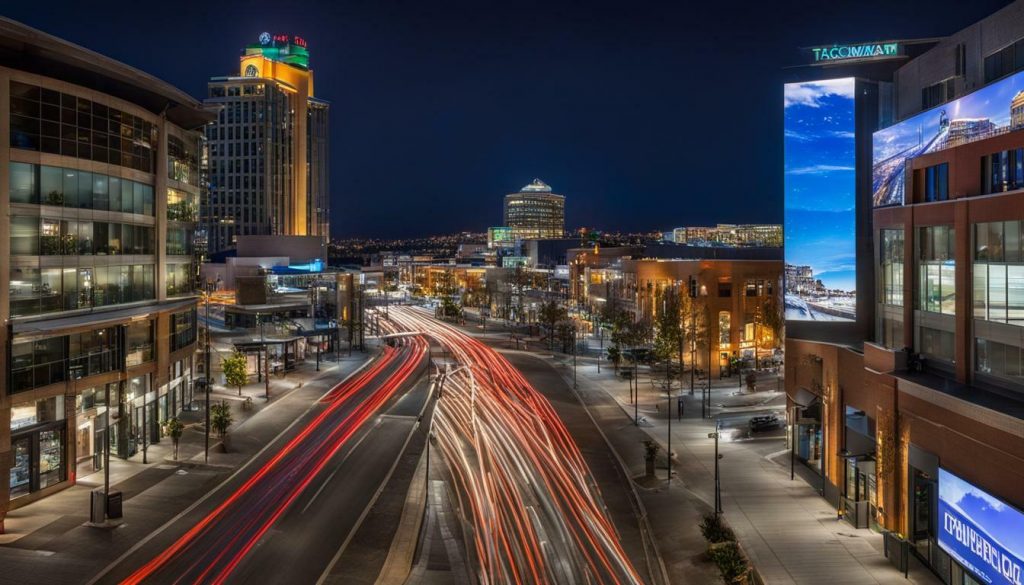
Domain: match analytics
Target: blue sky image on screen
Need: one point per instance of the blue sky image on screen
(992, 522)
(820, 200)
(981, 114)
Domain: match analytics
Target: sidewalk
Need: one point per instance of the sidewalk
(53, 531)
(789, 532)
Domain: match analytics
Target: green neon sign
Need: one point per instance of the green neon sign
(862, 51)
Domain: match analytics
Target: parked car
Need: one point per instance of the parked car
(765, 422)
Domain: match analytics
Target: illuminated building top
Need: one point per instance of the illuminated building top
(536, 186)
(290, 49)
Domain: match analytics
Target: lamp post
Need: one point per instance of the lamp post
(574, 351)
(718, 483)
(266, 359)
(209, 375)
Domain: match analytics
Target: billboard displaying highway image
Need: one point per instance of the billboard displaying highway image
(820, 200)
(990, 111)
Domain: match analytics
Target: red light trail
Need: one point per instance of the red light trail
(211, 550)
(534, 512)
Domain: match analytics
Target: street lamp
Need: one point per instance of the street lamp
(718, 456)
(206, 368)
(574, 351)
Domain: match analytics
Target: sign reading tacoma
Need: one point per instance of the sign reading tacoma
(862, 51)
(982, 533)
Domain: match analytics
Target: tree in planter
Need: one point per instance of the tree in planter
(235, 373)
(220, 420)
(174, 428)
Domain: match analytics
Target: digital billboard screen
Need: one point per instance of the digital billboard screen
(819, 142)
(990, 111)
(983, 533)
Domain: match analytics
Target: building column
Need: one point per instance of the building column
(5, 306)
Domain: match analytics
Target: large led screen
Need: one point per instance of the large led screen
(983, 533)
(820, 200)
(982, 114)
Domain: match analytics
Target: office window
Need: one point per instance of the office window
(998, 359)
(891, 266)
(936, 344)
(1004, 61)
(74, 189)
(999, 272)
(59, 123)
(936, 182)
(1002, 171)
(725, 288)
(936, 269)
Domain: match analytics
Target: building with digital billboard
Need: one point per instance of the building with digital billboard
(920, 428)
(268, 147)
(820, 200)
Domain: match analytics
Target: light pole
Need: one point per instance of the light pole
(718, 483)
(574, 351)
(266, 358)
(209, 375)
(668, 412)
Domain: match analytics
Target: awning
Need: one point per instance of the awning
(804, 398)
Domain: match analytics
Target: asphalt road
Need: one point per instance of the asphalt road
(284, 516)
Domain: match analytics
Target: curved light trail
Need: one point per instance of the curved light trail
(211, 550)
(532, 508)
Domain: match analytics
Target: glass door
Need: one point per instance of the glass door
(21, 470)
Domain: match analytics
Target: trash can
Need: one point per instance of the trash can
(114, 500)
(97, 506)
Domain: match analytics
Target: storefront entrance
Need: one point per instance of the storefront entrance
(39, 459)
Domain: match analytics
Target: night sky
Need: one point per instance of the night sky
(646, 115)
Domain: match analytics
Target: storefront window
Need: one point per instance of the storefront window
(37, 445)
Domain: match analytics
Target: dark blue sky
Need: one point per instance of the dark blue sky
(646, 115)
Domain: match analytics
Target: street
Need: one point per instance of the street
(279, 504)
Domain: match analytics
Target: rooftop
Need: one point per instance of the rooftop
(537, 186)
(27, 49)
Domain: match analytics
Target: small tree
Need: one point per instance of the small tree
(235, 373)
(220, 420)
(551, 314)
(615, 356)
(174, 428)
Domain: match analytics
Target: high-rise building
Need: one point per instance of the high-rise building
(268, 147)
(535, 212)
(917, 425)
(99, 194)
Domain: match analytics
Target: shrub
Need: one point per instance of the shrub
(730, 561)
(715, 531)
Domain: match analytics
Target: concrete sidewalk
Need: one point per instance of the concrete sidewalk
(790, 533)
(49, 542)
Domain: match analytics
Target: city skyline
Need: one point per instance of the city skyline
(509, 90)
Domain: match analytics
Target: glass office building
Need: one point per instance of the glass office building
(101, 189)
(535, 212)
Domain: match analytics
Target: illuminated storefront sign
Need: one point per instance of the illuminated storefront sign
(862, 51)
(820, 200)
(983, 533)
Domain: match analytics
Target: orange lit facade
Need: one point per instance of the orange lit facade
(268, 148)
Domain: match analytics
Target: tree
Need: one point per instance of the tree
(669, 328)
(615, 356)
(551, 314)
(235, 373)
(174, 428)
(220, 420)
